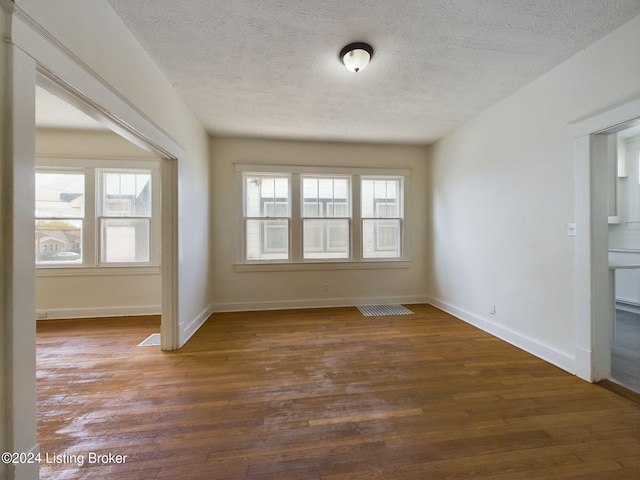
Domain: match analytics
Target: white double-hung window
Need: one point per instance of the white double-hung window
(321, 215)
(326, 217)
(381, 216)
(267, 217)
(60, 212)
(125, 220)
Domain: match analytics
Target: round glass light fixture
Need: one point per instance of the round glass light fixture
(356, 56)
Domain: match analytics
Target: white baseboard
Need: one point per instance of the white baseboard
(96, 312)
(192, 327)
(317, 303)
(530, 345)
(583, 362)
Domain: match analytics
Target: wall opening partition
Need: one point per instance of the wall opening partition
(598, 206)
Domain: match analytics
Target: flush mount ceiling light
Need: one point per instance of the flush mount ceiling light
(356, 56)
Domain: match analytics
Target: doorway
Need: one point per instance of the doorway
(98, 218)
(623, 156)
(605, 229)
(165, 248)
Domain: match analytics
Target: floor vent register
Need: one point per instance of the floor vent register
(384, 310)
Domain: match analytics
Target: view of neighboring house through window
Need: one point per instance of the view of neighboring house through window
(326, 216)
(126, 216)
(381, 217)
(267, 217)
(60, 208)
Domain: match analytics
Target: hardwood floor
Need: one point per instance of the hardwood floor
(322, 394)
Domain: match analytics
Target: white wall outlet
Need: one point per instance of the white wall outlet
(41, 314)
(492, 308)
(571, 229)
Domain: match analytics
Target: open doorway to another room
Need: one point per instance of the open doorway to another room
(98, 218)
(623, 155)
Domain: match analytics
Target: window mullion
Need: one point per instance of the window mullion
(356, 224)
(296, 218)
(91, 212)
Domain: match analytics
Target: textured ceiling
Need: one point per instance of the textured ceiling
(270, 68)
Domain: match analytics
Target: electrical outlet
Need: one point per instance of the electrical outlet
(492, 308)
(41, 314)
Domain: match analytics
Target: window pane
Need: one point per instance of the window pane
(380, 238)
(266, 196)
(127, 194)
(60, 195)
(267, 239)
(326, 238)
(125, 240)
(59, 242)
(381, 198)
(325, 197)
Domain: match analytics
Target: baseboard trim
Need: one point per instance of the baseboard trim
(97, 312)
(192, 327)
(316, 303)
(545, 352)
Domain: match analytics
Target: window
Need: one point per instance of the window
(126, 216)
(267, 217)
(96, 213)
(321, 214)
(381, 217)
(59, 217)
(325, 217)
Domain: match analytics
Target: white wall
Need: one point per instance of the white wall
(503, 193)
(235, 290)
(97, 36)
(90, 295)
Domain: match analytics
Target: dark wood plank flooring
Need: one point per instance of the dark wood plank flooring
(322, 394)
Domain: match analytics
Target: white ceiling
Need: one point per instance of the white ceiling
(54, 112)
(270, 68)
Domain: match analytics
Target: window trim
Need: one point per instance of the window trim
(91, 244)
(296, 260)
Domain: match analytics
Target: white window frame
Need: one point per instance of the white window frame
(82, 219)
(265, 218)
(327, 219)
(295, 261)
(383, 219)
(91, 244)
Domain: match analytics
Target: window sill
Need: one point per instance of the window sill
(95, 271)
(307, 266)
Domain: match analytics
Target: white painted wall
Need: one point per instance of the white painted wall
(235, 290)
(97, 36)
(91, 295)
(503, 193)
